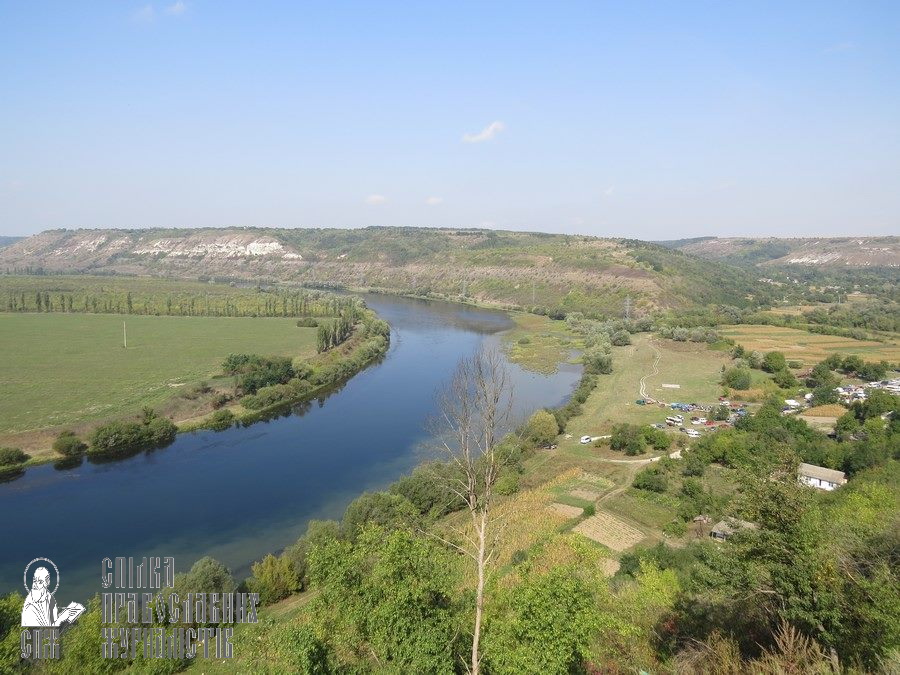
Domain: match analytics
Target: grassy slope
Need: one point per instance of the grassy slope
(65, 368)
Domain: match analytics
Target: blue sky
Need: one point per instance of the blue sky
(640, 119)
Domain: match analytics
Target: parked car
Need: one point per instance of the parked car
(585, 440)
(692, 433)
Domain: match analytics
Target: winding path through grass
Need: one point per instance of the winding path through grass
(643, 390)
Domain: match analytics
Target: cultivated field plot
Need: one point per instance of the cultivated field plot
(809, 348)
(581, 490)
(566, 510)
(651, 510)
(68, 368)
(606, 529)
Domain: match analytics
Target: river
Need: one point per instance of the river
(239, 494)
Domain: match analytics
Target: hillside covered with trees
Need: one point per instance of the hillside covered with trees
(551, 273)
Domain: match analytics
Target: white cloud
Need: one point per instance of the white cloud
(485, 134)
(145, 14)
(375, 200)
(434, 201)
(176, 8)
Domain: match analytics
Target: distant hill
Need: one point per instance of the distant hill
(812, 252)
(549, 271)
(6, 241)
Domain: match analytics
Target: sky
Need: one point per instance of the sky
(652, 120)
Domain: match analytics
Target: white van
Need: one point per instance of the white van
(586, 439)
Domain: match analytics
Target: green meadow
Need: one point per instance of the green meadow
(59, 369)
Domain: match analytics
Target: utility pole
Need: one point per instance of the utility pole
(124, 337)
(532, 291)
(628, 307)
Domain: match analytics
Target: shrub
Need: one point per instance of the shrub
(161, 431)
(773, 362)
(628, 438)
(524, 341)
(267, 372)
(621, 338)
(390, 511)
(694, 465)
(221, 420)
(220, 399)
(785, 379)
(651, 479)
(542, 428)
(507, 484)
(676, 528)
(68, 444)
(426, 488)
(657, 438)
(737, 378)
(307, 322)
(122, 437)
(596, 360)
(720, 413)
(274, 579)
(795, 364)
(824, 394)
(873, 371)
(10, 456)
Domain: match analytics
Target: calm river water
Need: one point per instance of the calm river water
(239, 494)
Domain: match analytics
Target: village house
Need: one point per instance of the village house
(820, 477)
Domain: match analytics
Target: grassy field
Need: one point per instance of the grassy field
(694, 367)
(809, 348)
(538, 343)
(63, 369)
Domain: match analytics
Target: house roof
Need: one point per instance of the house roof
(820, 472)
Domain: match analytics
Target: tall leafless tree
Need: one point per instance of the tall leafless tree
(474, 414)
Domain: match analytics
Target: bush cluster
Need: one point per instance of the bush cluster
(123, 437)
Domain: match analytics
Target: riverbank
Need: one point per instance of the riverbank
(368, 342)
(308, 461)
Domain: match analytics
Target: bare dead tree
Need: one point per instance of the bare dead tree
(474, 413)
